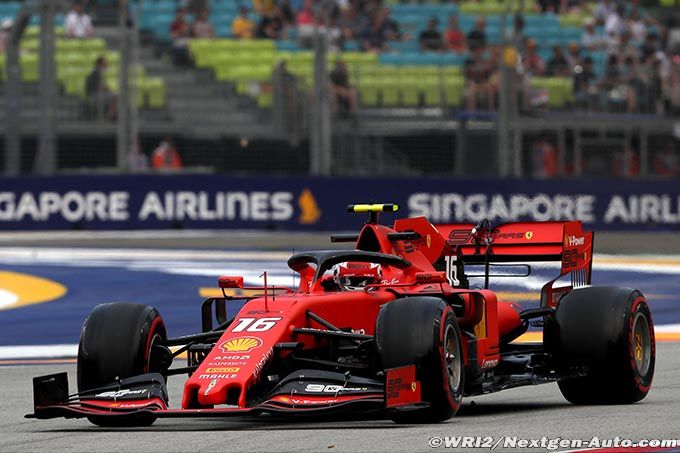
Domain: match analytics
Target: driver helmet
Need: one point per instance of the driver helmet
(353, 275)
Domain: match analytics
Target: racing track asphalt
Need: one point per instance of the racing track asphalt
(528, 412)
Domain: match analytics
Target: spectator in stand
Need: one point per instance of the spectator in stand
(477, 36)
(585, 84)
(374, 38)
(5, 33)
(612, 89)
(478, 72)
(637, 27)
(78, 24)
(179, 28)
(306, 25)
(431, 38)
(634, 79)
(573, 55)
(334, 33)
(352, 22)
(180, 33)
(516, 34)
(602, 11)
(202, 27)
(342, 93)
(99, 96)
(454, 38)
(558, 66)
(674, 86)
(543, 159)
(166, 156)
(532, 62)
(137, 160)
(263, 7)
(666, 162)
(614, 25)
(272, 25)
(591, 39)
(195, 6)
(626, 163)
(242, 27)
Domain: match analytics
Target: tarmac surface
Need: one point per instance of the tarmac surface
(528, 413)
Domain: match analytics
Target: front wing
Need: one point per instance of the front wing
(307, 392)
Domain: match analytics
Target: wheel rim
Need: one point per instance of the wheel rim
(642, 345)
(452, 357)
(152, 366)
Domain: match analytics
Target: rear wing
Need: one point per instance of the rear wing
(564, 242)
(523, 241)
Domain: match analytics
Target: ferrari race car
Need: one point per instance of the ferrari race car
(393, 327)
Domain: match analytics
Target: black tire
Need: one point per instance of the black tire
(116, 342)
(610, 331)
(423, 331)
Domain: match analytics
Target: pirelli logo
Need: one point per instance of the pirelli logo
(223, 370)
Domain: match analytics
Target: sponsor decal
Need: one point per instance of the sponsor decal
(321, 388)
(402, 387)
(456, 207)
(263, 361)
(217, 376)
(309, 209)
(232, 357)
(119, 393)
(488, 364)
(305, 401)
(210, 386)
(638, 347)
(227, 363)
(223, 370)
(115, 206)
(241, 344)
(575, 241)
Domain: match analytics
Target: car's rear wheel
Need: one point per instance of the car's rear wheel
(119, 341)
(609, 331)
(423, 331)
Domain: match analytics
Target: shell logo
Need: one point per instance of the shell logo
(18, 290)
(242, 344)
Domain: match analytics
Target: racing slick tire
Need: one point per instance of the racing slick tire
(117, 342)
(609, 330)
(423, 331)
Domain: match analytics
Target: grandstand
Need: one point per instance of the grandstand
(227, 92)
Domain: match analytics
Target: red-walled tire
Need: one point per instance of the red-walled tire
(117, 342)
(423, 331)
(610, 331)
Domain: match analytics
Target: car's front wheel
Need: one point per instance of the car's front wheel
(119, 341)
(423, 331)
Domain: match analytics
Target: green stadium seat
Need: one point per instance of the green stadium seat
(410, 96)
(264, 99)
(390, 89)
(30, 70)
(453, 91)
(155, 92)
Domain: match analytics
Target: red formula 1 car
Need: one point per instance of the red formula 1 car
(391, 326)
